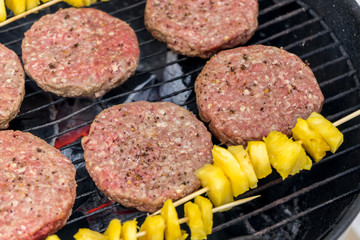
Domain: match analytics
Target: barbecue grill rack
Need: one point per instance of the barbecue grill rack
(308, 205)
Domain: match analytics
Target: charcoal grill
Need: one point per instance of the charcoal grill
(316, 204)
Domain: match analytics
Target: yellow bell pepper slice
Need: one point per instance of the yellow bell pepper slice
(153, 227)
(219, 186)
(327, 130)
(195, 222)
(16, 6)
(259, 158)
(205, 206)
(86, 234)
(113, 231)
(243, 158)
(228, 163)
(129, 230)
(172, 225)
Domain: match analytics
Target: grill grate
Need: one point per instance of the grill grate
(289, 209)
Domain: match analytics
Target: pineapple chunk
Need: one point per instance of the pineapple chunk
(172, 225)
(30, 4)
(16, 6)
(113, 231)
(86, 234)
(154, 227)
(243, 159)
(129, 230)
(311, 140)
(88, 2)
(195, 222)
(286, 156)
(52, 237)
(206, 212)
(228, 163)
(327, 130)
(219, 186)
(75, 3)
(2, 11)
(259, 158)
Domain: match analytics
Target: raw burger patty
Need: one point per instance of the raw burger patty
(37, 187)
(12, 86)
(247, 92)
(140, 154)
(201, 28)
(80, 52)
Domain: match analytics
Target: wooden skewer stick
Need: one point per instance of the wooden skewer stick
(347, 118)
(24, 14)
(214, 210)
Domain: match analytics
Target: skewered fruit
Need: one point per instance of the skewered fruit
(311, 140)
(129, 230)
(206, 212)
(113, 231)
(2, 11)
(172, 225)
(219, 186)
(286, 156)
(195, 223)
(30, 4)
(154, 227)
(86, 234)
(16, 6)
(327, 130)
(52, 237)
(243, 159)
(75, 3)
(259, 158)
(228, 163)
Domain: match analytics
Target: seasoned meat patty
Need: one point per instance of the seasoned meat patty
(201, 28)
(245, 93)
(12, 86)
(140, 154)
(80, 52)
(37, 187)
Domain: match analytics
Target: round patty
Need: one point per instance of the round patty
(80, 52)
(37, 187)
(140, 154)
(247, 92)
(12, 86)
(201, 28)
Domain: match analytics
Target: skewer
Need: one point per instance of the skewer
(214, 210)
(347, 118)
(24, 14)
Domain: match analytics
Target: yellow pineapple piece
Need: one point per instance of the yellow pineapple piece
(172, 225)
(113, 231)
(129, 230)
(327, 130)
(195, 222)
(243, 158)
(154, 227)
(311, 140)
(88, 2)
(30, 4)
(75, 3)
(259, 158)
(2, 11)
(16, 6)
(228, 163)
(86, 234)
(52, 237)
(205, 206)
(286, 156)
(219, 186)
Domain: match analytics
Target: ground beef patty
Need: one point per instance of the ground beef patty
(140, 154)
(201, 28)
(247, 92)
(80, 52)
(37, 187)
(12, 86)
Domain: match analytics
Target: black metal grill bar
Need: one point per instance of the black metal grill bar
(285, 199)
(343, 113)
(321, 49)
(328, 63)
(274, 7)
(337, 78)
(127, 8)
(87, 194)
(309, 38)
(340, 95)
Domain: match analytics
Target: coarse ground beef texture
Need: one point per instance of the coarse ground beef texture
(80, 52)
(247, 92)
(140, 154)
(12, 86)
(199, 28)
(37, 187)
